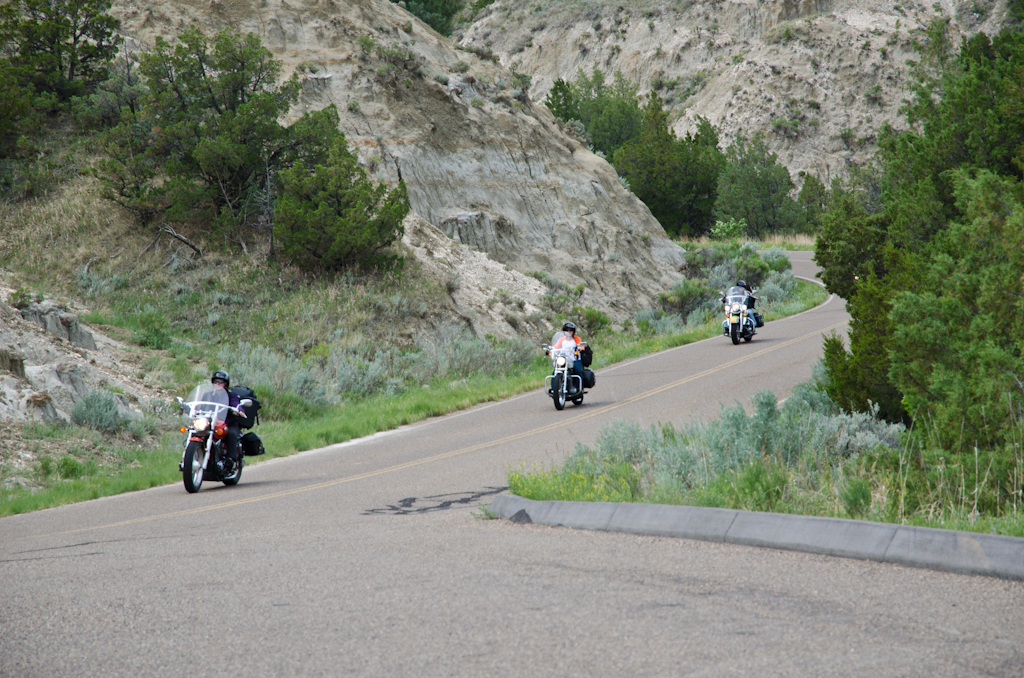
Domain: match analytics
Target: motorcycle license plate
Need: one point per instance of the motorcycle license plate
(734, 319)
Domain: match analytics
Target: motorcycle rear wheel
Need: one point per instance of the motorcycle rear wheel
(734, 332)
(559, 392)
(192, 466)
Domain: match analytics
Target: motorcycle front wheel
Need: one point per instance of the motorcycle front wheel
(192, 466)
(559, 392)
(734, 332)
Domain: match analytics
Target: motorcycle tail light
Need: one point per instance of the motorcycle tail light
(220, 429)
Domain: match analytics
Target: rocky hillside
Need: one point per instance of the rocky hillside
(481, 161)
(819, 77)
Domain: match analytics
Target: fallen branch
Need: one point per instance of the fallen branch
(174, 234)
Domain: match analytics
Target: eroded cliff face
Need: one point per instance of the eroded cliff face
(818, 77)
(480, 160)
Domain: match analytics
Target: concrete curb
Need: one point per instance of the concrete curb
(924, 547)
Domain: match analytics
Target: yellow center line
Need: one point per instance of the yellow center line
(454, 453)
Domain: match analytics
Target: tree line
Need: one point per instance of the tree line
(931, 262)
(688, 182)
(189, 132)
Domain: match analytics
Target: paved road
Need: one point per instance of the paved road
(365, 559)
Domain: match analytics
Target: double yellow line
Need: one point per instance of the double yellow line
(461, 451)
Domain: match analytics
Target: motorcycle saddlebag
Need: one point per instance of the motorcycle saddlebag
(589, 378)
(252, 411)
(758, 320)
(252, 446)
(586, 356)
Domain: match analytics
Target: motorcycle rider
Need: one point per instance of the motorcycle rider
(222, 380)
(562, 341)
(750, 293)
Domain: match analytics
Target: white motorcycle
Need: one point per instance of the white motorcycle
(204, 458)
(562, 384)
(740, 320)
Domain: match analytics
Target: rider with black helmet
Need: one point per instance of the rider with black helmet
(223, 379)
(569, 334)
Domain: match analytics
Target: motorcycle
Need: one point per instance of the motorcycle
(204, 457)
(740, 320)
(562, 384)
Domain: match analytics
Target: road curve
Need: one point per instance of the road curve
(364, 559)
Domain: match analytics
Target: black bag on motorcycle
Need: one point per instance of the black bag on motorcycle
(252, 411)
(589, 378)
(758, 320)
(586, 356)
(252, 446)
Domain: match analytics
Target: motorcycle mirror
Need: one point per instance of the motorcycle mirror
(180, 400)
(244, 403)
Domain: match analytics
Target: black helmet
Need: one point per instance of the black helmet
(221, 374)
(743, 284)
(568, 326)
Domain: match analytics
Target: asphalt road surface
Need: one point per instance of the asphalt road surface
(365, 559)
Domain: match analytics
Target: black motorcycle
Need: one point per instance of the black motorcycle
(204, 457)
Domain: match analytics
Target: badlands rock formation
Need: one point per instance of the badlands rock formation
(819, 77)
(48, 362)
(489, 169)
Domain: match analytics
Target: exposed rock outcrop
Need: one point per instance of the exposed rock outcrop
(461, 136)
(43, 374)
(58, 322)
(819, 77)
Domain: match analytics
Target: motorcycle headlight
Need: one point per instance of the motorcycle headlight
(560, 361)
(200, 423)
(735, 308)
(743, 307)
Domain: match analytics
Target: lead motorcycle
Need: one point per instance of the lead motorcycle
(205, 458)
(562, 384)
(740, 319)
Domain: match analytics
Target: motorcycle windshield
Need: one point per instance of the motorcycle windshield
(736, 295)
(207, 400)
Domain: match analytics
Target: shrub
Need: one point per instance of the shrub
(856, 496)
(776, 258)
(99, 410)
(353, 105)
(726, 230)
(333, 216)
(594, 321)
(460, 67)
(154, 330)
(687, 295)
(68, 467)
(776, 287)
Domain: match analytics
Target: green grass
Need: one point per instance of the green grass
(361, 417)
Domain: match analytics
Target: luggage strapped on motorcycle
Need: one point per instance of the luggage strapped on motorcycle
(252, 411)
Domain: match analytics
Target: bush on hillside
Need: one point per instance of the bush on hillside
(330, 216)
(99, 410)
